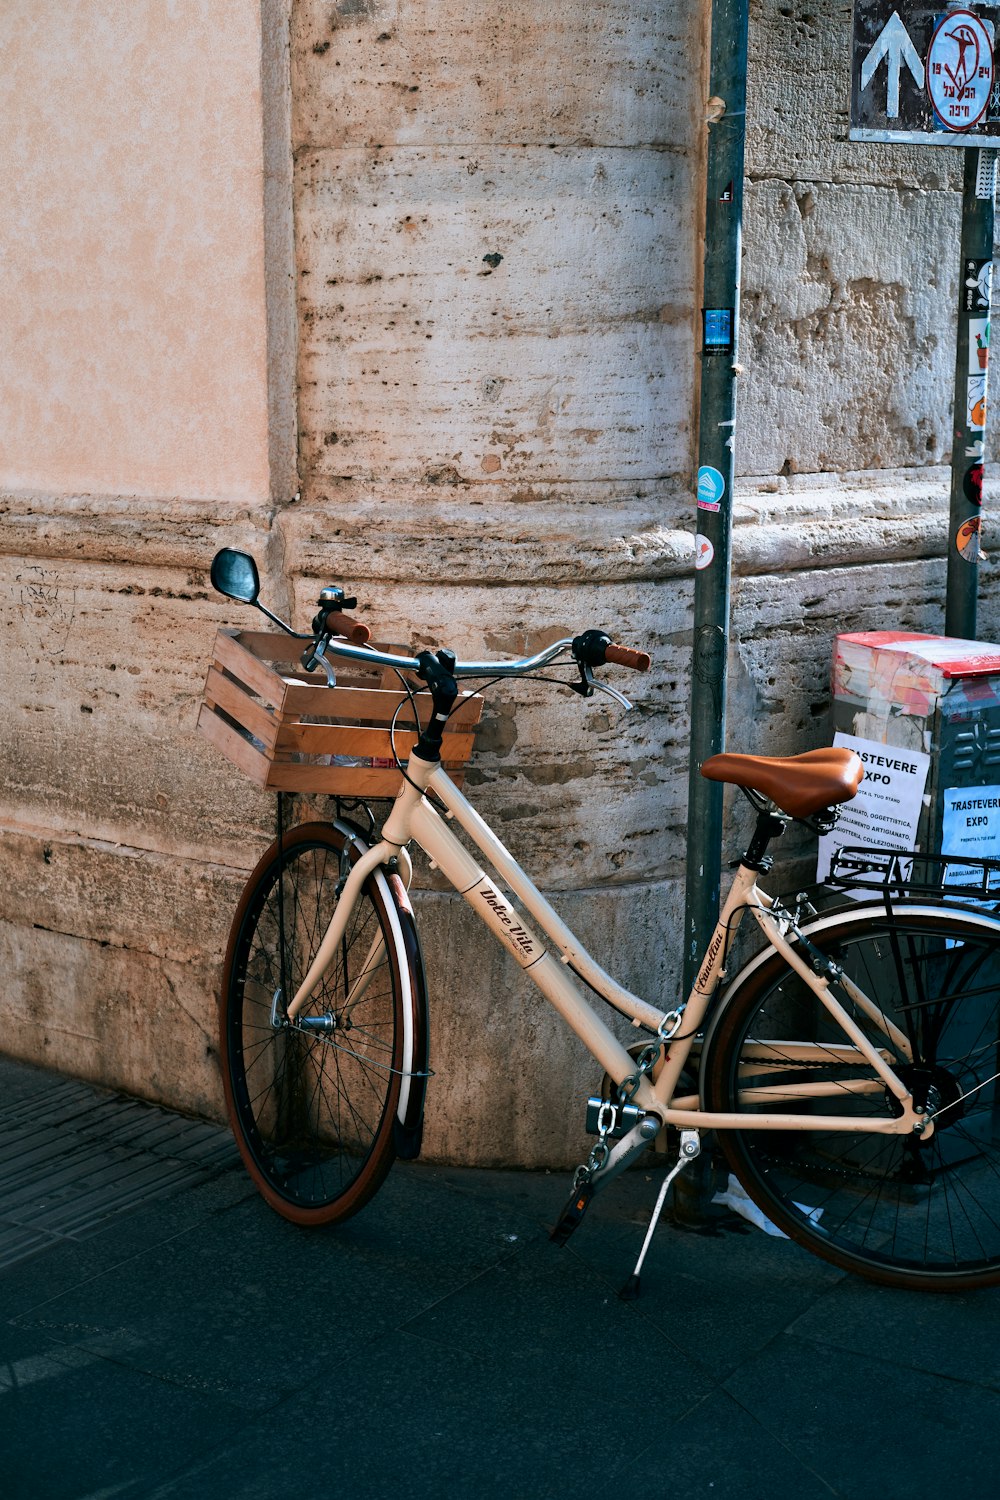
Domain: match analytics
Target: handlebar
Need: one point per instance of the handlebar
(235, 575)
(593, 648)
(371, 655)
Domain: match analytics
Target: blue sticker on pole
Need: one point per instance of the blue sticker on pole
(717, 330)
(711, 488)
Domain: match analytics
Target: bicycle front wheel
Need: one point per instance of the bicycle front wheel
(315, 1103)
(902, 1210)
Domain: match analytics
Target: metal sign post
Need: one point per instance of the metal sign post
(926, 73)
(726, 119)
(971, 368)
(720, 322)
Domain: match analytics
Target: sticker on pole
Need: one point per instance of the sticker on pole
(717, 330)
(972, 484)
(924, 72)
(703, 551)
(975, 405)
(978, 288)
(960, 70)
(711, 488)
(967, 542)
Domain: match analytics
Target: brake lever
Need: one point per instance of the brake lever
(602, 687)
(316, 658)
(589, 685)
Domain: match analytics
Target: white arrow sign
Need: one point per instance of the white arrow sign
(893, 42)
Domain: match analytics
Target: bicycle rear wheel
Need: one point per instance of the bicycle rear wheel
(902, 1210)
(318, 1105)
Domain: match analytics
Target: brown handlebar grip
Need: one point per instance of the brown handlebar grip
(639, 661)
(352, 630)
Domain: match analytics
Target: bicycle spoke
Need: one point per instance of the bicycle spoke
(313, 1109)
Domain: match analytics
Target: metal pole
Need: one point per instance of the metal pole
(720, 323)
(969, 427)
(726, 117)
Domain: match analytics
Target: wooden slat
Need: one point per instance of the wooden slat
(222, 692)
(271, 645)
(274, 646)
(232, 655)
(352, 703)
(372, 705)
(251, 761)
(340, 739)
(352, 739)
(341, 781)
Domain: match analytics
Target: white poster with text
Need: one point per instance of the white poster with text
(886, 810)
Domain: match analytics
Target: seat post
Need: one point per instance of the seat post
(769, 826)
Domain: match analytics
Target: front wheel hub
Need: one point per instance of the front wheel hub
(324, 1024)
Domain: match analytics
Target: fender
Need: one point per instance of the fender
(409, 1122)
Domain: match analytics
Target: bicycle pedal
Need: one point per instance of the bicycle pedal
(572, 1213)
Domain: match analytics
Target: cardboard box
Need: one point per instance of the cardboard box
(926, 696)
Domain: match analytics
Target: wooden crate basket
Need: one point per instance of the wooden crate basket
(283, 726)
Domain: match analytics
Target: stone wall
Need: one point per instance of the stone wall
(497, 235)
(850, 291)
(466, 386)
(851, 271)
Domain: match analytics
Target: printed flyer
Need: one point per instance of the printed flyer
(886, 810)
(970, 827)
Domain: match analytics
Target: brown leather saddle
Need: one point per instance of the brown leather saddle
(800, 785)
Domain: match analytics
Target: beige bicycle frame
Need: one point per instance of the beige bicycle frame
(414, 819)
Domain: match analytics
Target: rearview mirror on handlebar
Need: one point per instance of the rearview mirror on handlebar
(235, 575)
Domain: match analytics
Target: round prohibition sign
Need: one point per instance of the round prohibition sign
(960, 69)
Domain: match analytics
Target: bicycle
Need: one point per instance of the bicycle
(849, 1068)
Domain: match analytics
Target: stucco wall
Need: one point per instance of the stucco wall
(135, 349)
(146, 387)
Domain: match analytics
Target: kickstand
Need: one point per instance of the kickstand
(690, 1149)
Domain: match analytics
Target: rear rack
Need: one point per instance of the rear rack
(905, 873)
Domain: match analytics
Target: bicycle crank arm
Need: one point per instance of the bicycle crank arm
(621, 1154)
(625, 1150)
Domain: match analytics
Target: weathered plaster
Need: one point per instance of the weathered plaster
(134, 359)
(484, 313)
(847, 297)
(613, 73)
